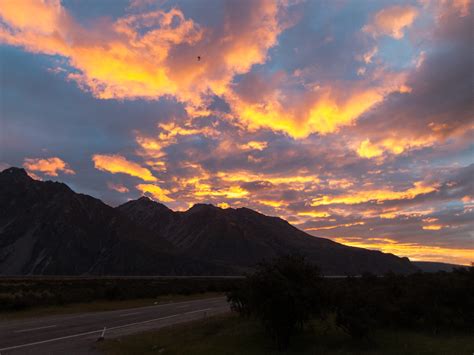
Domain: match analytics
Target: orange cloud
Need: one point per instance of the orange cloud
(395, 213)
(396, 146)
(48, 15)
(117, 187)
(368, 150)
(149, 54)
(245, 176)
(156, 192)
(231, 192)
(153, 54)
(254, 145)
(314, 214)
(48, 166)
(118, 164)
(375, 195)
(462, 6)
(391, 21)
(367, 56)
(443, 8)
(433, 227)
(414, 251)
(323, 109)
(345, 225)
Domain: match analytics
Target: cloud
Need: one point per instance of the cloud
(266, 119)
(323, 109)
(367, 149)
(149, 54)
(378, 196)
(155, 191)
(152, 54)
(391, 21)
(115, 163)
(117, 187)
(437, 109)
(414, 251)
(48, 166)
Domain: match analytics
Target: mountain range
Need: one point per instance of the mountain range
(48, 229)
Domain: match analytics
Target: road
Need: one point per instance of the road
(78, 333)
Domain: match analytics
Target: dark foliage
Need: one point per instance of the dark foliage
(22, 293)
(283, 295)
(436, 301)
(288, 292)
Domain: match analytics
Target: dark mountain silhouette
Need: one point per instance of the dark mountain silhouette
(46, 228)
(432, 266)
(243, 237)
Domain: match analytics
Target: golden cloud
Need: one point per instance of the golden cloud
(149, 54)
(314, 214)
(323, 109)
(153, 54)
(48, 166)
(117, 187)
(246, 176)
(115, 163)
(433, 227)
(155, 191)
(414, 251)
(344, 225)
(396, 146)
(391, 21)
(254, 145)
(378, 196)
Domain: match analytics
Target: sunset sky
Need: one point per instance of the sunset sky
(353, 120)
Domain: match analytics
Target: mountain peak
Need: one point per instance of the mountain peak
(15, 170)
(16, 174)
(144, 199)
(204, 207)
(144, 203)
(136, 238)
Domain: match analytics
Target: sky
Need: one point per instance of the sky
(353, 120)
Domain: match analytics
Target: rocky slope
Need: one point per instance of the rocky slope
(46, 228)
(242, 237)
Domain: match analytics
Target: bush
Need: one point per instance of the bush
(284, 295)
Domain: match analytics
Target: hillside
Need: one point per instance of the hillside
(46, 228)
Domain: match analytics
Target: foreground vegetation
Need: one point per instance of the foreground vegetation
(232, 335)
(285, 306)
(21, 294)
(286, 294)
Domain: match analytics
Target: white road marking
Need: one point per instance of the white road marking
(130, 314)
(32, 329)
(63, 318)
(100, 330)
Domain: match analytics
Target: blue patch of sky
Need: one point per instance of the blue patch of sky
(86, 11)
(397, 54)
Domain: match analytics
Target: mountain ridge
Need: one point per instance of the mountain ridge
(47, 228)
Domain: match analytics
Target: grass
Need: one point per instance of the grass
(230, 335)
(102, 305)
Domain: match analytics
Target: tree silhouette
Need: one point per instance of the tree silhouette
(283, 294)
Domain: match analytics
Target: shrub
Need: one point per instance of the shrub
(283, 294)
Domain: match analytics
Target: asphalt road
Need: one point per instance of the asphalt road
(78, 333)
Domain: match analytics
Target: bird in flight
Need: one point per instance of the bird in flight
(199, 58)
